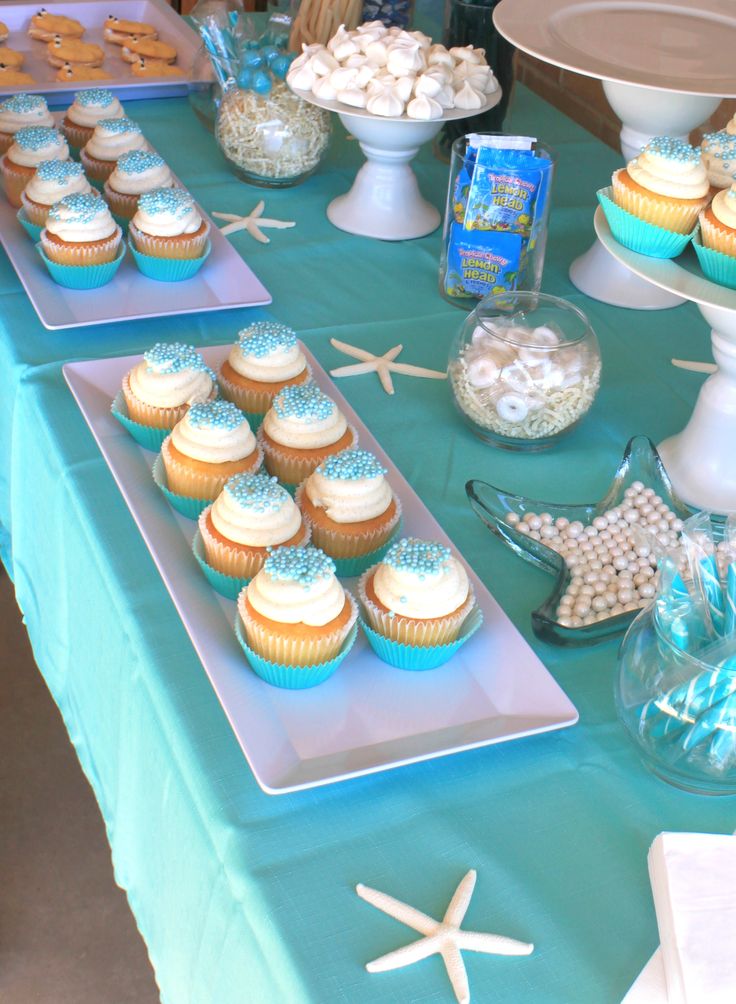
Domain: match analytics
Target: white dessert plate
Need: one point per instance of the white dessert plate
(672, 45)
(681, 276)
(368, 717)
(171, 28)
(362, 113)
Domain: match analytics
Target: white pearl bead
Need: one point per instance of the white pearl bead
(562, 523)
(576, 622)
(598, 604)
(535, 534)
(522, 527)
(590, 619)
(637, 486)
(534, 521)
(646, 591)
(581, 609)
(610, 598)
(575, 528)
(546, 518)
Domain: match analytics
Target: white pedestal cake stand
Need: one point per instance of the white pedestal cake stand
(700, 460)
(385, 201)
(665, 66)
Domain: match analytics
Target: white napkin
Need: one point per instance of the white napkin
(650, 986)
(693, 878)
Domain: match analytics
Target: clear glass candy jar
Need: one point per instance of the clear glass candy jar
(679, 710)
(524, 368)
(274, 140)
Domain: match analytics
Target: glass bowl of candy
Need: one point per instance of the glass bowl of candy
(524, 369)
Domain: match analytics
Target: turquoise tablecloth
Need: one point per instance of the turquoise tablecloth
(244, 898)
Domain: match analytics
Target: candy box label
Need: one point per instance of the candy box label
(481, 262)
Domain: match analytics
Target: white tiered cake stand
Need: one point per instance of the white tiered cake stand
(385, 201)
(665, 66)
(700, 460)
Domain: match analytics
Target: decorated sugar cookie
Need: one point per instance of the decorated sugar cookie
(71, 50)
(44, 26)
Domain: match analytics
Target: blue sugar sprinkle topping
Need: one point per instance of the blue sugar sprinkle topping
(22, 104)
(97, 97)
(304, 565)
(305, 402)
(221, 415)
(37, 137)
(79, 208)
(138, 161)
(173, 358)
(257, 492)
(422, 557)
(265, 337)
(673, 149)
(351, 465)
(176, 202)
(118, 126)
(59, 171)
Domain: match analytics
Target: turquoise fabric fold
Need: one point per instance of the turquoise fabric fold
(242, 897)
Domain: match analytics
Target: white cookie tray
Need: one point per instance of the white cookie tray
(16, 14)
(368, 717)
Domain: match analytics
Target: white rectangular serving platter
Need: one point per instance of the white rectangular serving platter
(368, 717)
(171, 28)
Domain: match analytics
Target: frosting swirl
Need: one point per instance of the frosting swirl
(216, 432)
(350, 486)
(170, 375)
(54, 180)
(297, 585)
(255, 510)
(81, 218)
(139, 171)
(718, 153)
(723, 207)
(670, 167)
(24, 110)
(421, 579)
(90, 106)
(267, 352)
(113, 137)
(167, 212)
(304, 418)
(34, 144)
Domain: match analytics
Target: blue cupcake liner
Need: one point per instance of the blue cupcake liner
(168, 269)
(226, 585)
(716, 266)
(293, 677)
(415, 657)
(145, 435)
(32, 229)
(191, 508)
(638, 235)
(83, 276)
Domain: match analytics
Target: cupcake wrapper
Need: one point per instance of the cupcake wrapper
(76, 136)
(718, 238)
(97, 171)
(33, 231)
(638, 235)
(33, 212)
(191, 508)
(717, 267)
(656, 209)
(233, 562)
(148, 414)
(184, 480)
(293, 651)
(168, 269)
(348, 568)
(82, 276)
(161, 247)
(293, 677)
(146, 436)
(254, 402)
(291, 471)
(414, 658)
(226, 585)
(81, 256)
(413, 632)
(14, 181)
(350, 549)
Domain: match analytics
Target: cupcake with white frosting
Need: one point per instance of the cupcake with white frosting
(295, 613)
(52, 181)
(80, 231)
(211, 443)
(22, 111)
(110, 139)
(159, 389)
(266, 358)
(351, 509)
(31, 146)
(419, 595)
(168, 225)
(718, 223)
(252, 514)
(718, 153)
(87, 109)
(302, 427)
(136, 172)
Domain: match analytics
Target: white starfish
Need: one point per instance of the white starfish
(253, 223)
(383, 365)
(440, 936)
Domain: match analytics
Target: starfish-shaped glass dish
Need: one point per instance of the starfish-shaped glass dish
(640, 462)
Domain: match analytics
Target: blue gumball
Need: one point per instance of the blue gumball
(262, 82)
(252, 43)
(280, 66)
(253, 58)
(245, 79)
(269, 53)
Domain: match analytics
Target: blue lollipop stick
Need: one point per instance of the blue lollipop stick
(730, 625)
(715, 718)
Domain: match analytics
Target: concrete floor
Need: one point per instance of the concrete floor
(66, 933)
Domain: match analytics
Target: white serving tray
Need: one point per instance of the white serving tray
(16, 14)
(368, 717)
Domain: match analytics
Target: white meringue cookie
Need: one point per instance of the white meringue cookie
(491, 85)
(405, 60)
(357, 60)
(467, 97)
(403, 86)
(342, 77)
(446, 97)
(466, 53)
(365, 74)
(323, 63)
(438, 55)
(353, 96)
(377, 52)
(424, 40)
(307, 52)
(301, 78)
(429, 84)
(470, 71)
(377, 28)
(386, 103)
(341, 45)
(324, 89)
(423, 107)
